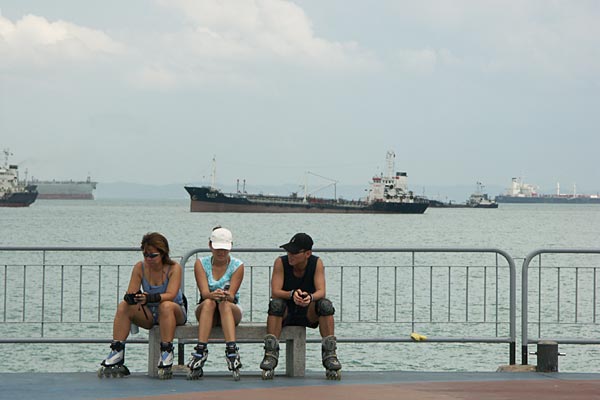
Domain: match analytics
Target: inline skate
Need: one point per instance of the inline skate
(165, 363)
(234, 364)
(196, 363)
(271, 358)
(113, 365)
(330, 361)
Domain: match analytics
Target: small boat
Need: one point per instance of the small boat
(476, 200)
(388, 194)
(480, 199)
(12, 192)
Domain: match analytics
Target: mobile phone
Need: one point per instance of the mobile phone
(226, 287)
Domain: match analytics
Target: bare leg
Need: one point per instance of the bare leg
(205, 315)
(169, 315)
(124, 316)
(230, 317)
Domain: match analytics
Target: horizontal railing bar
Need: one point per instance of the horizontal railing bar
(65, 340)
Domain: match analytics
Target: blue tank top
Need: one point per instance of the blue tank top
(148, 288)
(213, 284)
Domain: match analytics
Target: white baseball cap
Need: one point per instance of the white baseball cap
(221, 238)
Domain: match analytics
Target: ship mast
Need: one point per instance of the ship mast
(7, 153)
(213, 175)
(389, 161)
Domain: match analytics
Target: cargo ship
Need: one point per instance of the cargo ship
(12, 192)
(65, 190)
(520, 192)
(388, 194)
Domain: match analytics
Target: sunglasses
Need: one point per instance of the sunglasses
(151, 255)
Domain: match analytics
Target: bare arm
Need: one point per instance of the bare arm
(277, 291)
(235, 283)
(320, 291)
(135, 282)
(174, 283)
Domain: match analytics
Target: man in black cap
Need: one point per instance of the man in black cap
(298, 298)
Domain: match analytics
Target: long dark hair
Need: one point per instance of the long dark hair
(160, 243)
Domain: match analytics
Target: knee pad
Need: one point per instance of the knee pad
(324, 307)
(277, 307)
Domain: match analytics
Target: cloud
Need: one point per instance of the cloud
(228, 39)
(33, 41)
(556, 39)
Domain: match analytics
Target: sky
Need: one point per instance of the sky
(150, 91)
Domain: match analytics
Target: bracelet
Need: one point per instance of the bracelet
(292, 294)
(311, 297)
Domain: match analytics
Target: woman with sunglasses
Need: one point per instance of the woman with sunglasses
(160, 302)
(219, 277)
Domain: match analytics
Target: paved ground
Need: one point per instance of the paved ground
(354, 385)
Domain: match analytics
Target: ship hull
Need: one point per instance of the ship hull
(202, 199)
(65, 190)
(548, 200)
(20, 199)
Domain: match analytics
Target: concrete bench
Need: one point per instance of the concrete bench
(294, 338)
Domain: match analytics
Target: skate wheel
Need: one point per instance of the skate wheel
(100, 373)
(195, 374)
(267, 374)
(236, 375)
(165, 373)
(333, 375)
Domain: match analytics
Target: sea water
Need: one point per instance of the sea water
(517, 229)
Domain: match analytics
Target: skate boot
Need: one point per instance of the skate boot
(166, 361)
(330, 361)
(233, 360)
(113, 365)
(197, 361)
(271, 358)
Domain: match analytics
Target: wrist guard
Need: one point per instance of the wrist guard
(152, 297)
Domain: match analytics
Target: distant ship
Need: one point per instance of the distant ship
(12, 192)
(520, 192)
(65, 190)
(388, 194)
(476, 200)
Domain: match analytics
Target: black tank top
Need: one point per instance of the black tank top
(305, 282)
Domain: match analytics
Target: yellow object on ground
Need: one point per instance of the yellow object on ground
(418, 337)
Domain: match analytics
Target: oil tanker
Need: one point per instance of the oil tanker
(387, 194)
(520, 192)
(65, 190)
(12, 192)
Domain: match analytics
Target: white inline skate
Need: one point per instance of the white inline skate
(234, 364)
(196, 363)
(165, 363)
(113, 365)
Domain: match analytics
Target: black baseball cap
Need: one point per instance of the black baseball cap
(298, 242)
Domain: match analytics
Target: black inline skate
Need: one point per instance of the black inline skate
(196, 363)
(330, 361)
(271, 358)
(113, 365)
(234, 364)
(165, 363)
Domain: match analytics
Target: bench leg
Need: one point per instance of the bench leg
(295, 357)
(153, 351)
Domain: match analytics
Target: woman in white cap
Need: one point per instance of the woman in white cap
(219, 277)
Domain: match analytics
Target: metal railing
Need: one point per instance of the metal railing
(460, 295)
(566, 290)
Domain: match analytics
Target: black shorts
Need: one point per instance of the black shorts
(296, 316)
